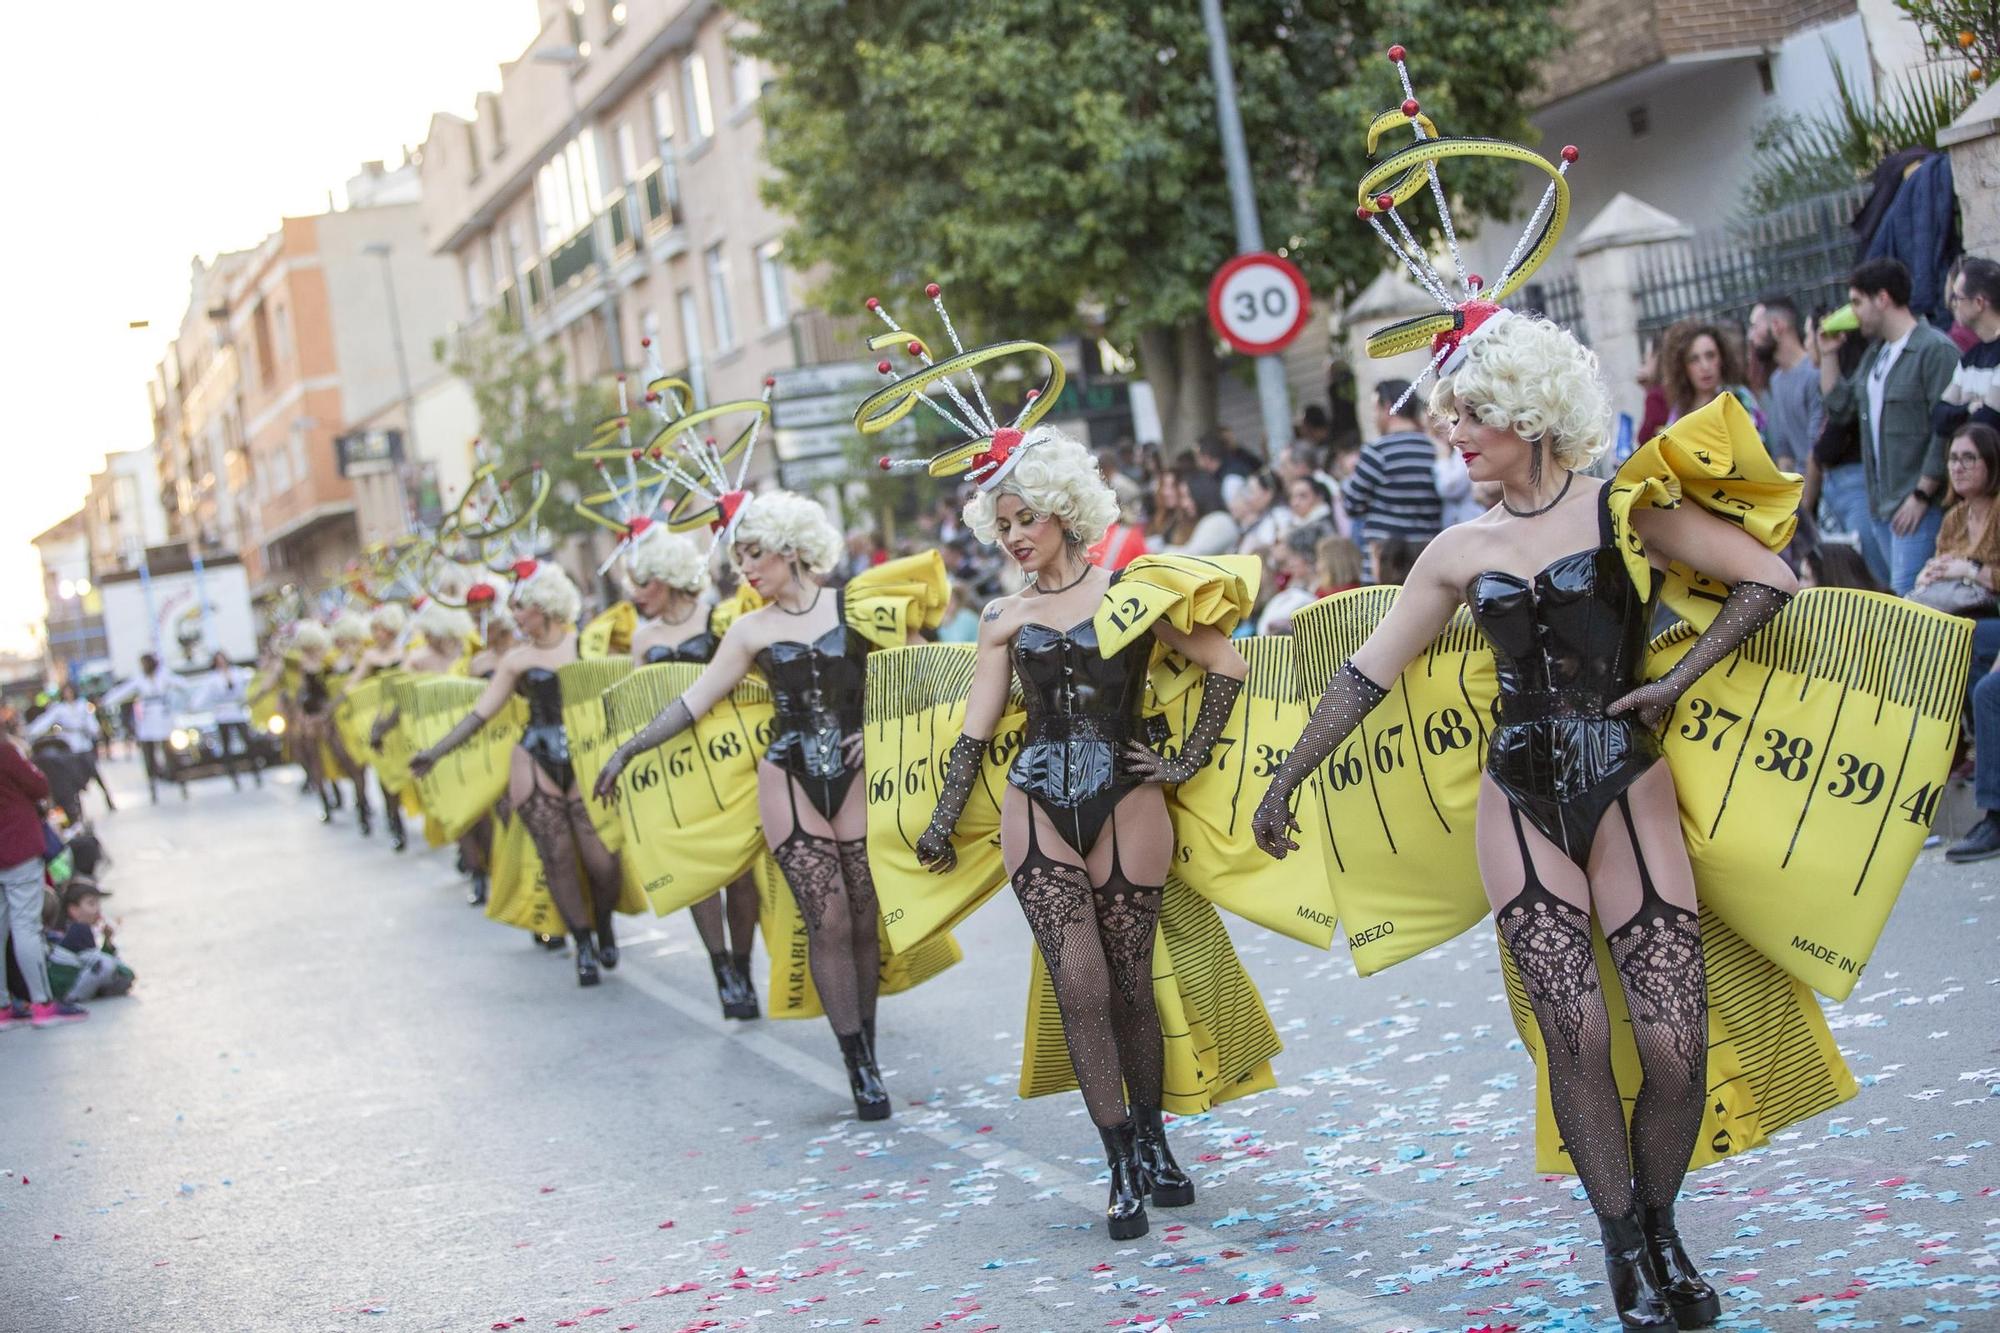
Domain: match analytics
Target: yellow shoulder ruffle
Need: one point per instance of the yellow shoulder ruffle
(610, 633)
(897, 596)
(1715, 458)
(1183, 590)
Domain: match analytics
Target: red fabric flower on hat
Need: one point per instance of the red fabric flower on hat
(525, 569)
(479, 594)
(727, 507)
(1474, 318)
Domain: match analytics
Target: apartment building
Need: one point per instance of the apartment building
(197, 424)
(332, 322)
(123, 514)
(607, 192)
(73, 627)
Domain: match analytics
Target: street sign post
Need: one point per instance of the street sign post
(1258, 303)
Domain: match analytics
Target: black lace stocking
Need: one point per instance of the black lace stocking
(739, 903)
(1550, 943)
(1126, 916)
(1057, 901)
(600, 863)
(863, 912)
(707, 916)
(547, 818)
(812, 868)
(1659, 961)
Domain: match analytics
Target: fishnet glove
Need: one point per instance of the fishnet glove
(1748, 608)
(426, 759)
(672, 721)
(961, 770)
(1218, 696)
(1349, 697)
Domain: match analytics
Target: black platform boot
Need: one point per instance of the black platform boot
(607, 943)
(392, 812)
(1165, 1181)
(732, 989)
(1125, 1210)
(475, 891)
(871, 1099)
(586, 959)
(362, 814)
(1693, 1301)
(742, 964)
(1635, 1291)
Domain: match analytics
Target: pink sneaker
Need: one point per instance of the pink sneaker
(57, 1011)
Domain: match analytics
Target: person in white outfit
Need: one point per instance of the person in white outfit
(227, 696)
(72, 719)
(153, 689)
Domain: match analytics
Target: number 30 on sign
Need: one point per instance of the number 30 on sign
(1258, 303)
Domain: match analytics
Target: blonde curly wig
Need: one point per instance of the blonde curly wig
(309, 639)
(1056, 476)
(549, 591)
(666, 557)
(388, 618)
(442, 624)
(1529, 376)
(789, 524)
(349, 629)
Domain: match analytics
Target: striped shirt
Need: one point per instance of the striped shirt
(1393, 492)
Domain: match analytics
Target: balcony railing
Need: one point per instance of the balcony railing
(660, 192)
(573, 258)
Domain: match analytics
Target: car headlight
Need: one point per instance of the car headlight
(275, 725)
(181, 739)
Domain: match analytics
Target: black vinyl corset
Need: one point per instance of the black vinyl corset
(817, 691)
(1082, 708)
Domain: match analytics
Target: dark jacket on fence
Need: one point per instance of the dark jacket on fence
(1921, 229)
(1908, 451)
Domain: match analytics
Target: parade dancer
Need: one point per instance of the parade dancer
(152, 691)
(227, 695)
(1575, 817)
(542, 784)
(668, 575)
(310, 710)
(810, 645)
(351, 635)
(383, 653)
(475, 848)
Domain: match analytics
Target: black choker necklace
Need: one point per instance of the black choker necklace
(1051, 592)
(805, 610)
(1530, 513)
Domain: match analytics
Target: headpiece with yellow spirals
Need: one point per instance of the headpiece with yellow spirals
(991, 450)
(1470, 308)
(682, 477)
(496, 525)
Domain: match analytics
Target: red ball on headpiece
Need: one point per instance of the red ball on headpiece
(1410, 107)
(1385, 202)
(1033, 394)
(652, 398)
(916, 348)
(932, 290)
(636, 453)
(1474, 281)
(883, 366)
(873, 303)
(1569, 153)
(1364, 213)
(645, 342)
(770, 381)
(883, 462)
(1396, 53)
(479, 594)
(534, 467)
(525, 569)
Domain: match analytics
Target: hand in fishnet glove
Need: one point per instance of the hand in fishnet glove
(1218, 696)
(1749, 607)
(1349, 697)
(961, 770)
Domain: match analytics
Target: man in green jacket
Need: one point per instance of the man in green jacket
(1889, 397)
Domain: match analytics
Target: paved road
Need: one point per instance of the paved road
(341, 1100)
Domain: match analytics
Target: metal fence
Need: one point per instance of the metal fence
(1805, 250)
(1559, 297)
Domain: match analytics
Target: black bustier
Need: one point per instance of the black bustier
(544, 738)
(312, 691)
(700, 649)
(817, 692)
(1082, 709)
(1567, 643)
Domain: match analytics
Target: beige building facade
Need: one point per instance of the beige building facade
(607, 192)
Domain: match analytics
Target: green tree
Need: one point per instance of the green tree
(1965, 29)
(1034, 155)
(532, 413)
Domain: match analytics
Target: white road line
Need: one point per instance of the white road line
(1336, 1305)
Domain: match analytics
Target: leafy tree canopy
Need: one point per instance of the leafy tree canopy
(1036, 154)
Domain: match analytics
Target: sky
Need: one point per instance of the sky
(140, 134)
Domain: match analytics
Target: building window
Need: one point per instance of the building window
(663, 119)
(475, 282)
(745, 81)
(567, 190)
(691, 341)
(628, 152)
(694, 92)
(717, 268)
(577, 36)
(771, 283)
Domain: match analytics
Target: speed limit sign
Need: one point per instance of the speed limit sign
(1258, 302)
